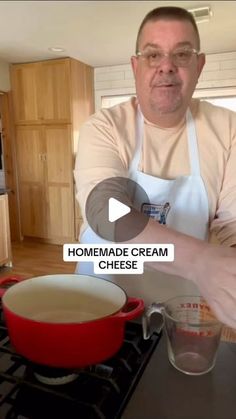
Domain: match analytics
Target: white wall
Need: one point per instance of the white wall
(4, 77)
(2, 179)
(219, 74)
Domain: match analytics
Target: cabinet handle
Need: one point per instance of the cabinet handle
(42, 157)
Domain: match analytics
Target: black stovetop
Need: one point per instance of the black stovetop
(99, 392)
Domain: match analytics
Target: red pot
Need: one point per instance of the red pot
(68, 321)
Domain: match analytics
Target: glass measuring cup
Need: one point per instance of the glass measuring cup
(192, 331)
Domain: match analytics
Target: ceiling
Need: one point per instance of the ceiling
(98, 33)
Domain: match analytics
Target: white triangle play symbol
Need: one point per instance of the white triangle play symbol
(116, 209)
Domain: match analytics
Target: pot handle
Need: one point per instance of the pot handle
(132, 309)
(11, 280)
(146, 319)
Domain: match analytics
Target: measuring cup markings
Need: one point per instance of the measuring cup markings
(202, 306)
(200, 333)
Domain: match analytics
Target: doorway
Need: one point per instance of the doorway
(8, 163)
(2, 172)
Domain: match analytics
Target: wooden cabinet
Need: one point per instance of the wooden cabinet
(42, 92)
(59, 182)
(44, 155)
(56, 93)
(5, 249)
(45, 139)
(30, 151)
(25, 81)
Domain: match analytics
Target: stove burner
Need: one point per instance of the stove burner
(53, 376)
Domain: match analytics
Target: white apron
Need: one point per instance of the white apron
(187, 212)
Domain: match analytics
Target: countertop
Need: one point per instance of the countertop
(165, 393)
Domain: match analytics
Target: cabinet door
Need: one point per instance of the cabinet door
(5, 253)
(60, 199)
(56, 98)
(31, 161)
(26, 90)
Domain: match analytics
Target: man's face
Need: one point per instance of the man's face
(167, 87)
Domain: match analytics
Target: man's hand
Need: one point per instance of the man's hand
(215, 275)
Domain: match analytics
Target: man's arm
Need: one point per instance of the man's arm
(223, 225)
(211, 267)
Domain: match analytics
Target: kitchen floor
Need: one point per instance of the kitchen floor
(31, 258)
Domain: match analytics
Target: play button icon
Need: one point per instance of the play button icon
(114, 209)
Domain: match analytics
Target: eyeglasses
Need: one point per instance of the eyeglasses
(180, 57)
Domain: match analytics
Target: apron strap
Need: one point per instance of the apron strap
(138, 144)
(192, 145)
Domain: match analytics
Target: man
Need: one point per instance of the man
(181, 151)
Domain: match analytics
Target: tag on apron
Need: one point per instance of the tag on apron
(158, 212)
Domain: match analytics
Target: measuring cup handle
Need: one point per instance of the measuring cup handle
(146, 319)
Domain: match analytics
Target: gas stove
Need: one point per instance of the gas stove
(98, 392)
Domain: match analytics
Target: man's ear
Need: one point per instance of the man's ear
(134, 63)
(201, 63)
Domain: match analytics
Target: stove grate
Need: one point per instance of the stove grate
(99, 392)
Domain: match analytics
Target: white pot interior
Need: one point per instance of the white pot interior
(64, 298)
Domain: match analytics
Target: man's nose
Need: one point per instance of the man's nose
(167, 65)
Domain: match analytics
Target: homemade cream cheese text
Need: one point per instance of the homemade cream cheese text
(118, 258)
